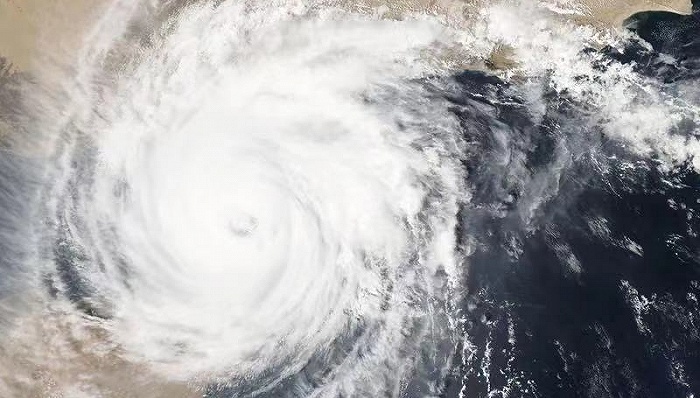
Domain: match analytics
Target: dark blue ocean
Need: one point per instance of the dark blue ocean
(597, 294)
(583, 265)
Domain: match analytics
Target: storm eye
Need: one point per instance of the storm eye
(242, 225)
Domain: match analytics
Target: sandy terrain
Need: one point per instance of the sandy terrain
(26, 26)
(58, 360)
(58, 356)
(599, 12)
(57, 25)
(613, 12)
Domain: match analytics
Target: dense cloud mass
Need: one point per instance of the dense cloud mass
(316, 199)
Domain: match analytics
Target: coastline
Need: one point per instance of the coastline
(611, 13)
(34, 30)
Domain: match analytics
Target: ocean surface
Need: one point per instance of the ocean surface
(314, 199)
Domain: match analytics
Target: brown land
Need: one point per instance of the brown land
(613, 12)
(30, 26)
(56, 360)
(58, 356)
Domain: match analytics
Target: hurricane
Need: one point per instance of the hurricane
(308, 198)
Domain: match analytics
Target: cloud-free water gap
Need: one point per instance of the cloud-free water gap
(293, 199)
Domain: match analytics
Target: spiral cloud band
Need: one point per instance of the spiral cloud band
(263, 193)
(367, 198)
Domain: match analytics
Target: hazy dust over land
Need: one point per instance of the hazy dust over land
(55, 28)
(30, 26)
(612, 12)
(33, 31)
(43, 36)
